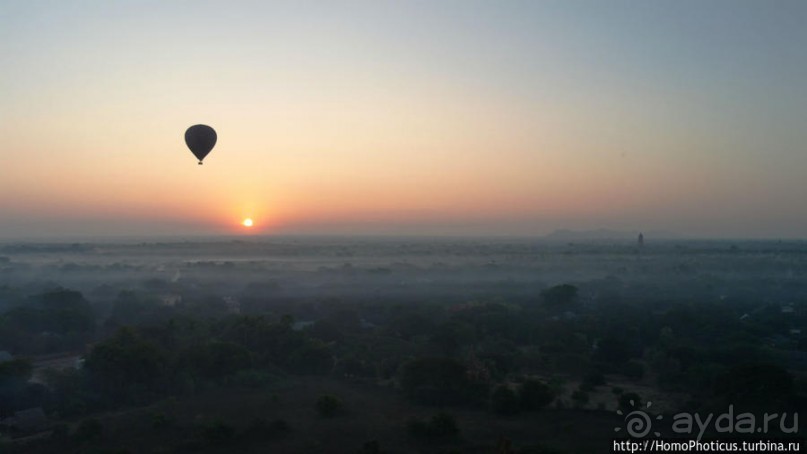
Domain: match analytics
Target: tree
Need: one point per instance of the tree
(124, 363)
(313, 357)
(18, 369)
(56, 320)
(14, 388)
(133, 308)
(70, 393)
(67, 311)
(218, 359)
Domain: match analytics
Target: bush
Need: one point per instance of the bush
(504, 401)
(328, 406)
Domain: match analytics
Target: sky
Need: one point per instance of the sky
(404, 117)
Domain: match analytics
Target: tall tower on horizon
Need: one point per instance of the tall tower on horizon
(640, 241)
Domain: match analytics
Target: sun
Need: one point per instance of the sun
(247, 222)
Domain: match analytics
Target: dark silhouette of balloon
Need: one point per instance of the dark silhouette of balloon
(200, 139)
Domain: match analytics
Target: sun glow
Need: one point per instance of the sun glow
(247, 222)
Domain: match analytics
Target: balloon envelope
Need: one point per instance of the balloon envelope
(200, 139)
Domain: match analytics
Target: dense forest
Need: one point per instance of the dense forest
(468, 351)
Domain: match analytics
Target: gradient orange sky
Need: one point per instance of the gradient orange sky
(511, 118)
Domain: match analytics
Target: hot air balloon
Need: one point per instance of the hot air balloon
(200, 139)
